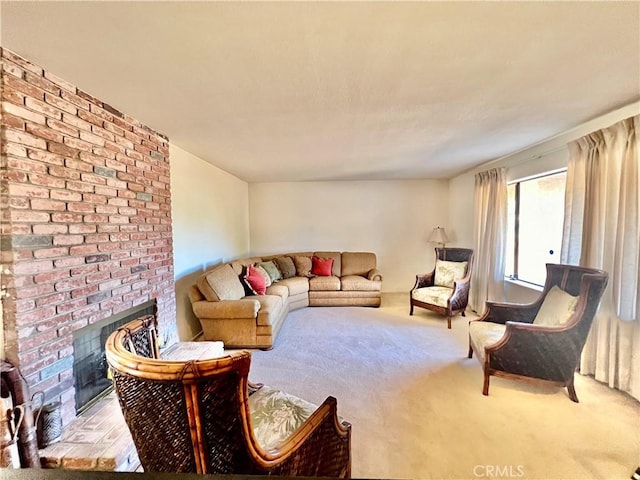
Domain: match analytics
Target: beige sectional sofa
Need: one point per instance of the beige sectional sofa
(220, 301)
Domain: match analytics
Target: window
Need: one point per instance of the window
(535, 215)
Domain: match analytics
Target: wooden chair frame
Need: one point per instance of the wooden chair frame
(538, 354)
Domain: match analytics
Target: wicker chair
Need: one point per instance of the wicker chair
(194, 416)
(510, 344)
(426, 293)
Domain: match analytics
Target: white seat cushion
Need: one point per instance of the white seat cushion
(275, 415)
(433, 295)
(556, 309)
(485, 334)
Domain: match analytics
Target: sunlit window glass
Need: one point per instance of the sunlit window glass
(535, 217)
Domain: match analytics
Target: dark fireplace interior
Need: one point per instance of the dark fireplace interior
(90, 369)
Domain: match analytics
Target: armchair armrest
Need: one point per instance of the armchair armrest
(424, 280)
(374, 274)
(460, 295)
(504, 312)
(322, 436)
(245, 308)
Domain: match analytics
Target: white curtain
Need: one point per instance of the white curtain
(602, 230)
(489, 235)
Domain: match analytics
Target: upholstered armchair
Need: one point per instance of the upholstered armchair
(541, 341)
(204, 416)
(445, 289)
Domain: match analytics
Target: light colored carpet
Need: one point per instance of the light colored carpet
(415, 401)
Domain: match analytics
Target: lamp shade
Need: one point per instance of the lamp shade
(438, 235)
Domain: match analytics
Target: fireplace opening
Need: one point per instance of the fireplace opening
(90, 369)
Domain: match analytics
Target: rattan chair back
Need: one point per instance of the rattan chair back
(193, 416)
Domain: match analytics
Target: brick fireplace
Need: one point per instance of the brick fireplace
(85, 229)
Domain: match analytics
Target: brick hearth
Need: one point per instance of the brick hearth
(86, 221)
(97, 440)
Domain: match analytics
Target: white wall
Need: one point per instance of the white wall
(390, 218)
(210, 210)
(460, 204)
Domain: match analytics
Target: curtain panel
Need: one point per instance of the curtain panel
(489, 234)
(602, 230)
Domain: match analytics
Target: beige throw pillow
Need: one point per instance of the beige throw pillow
(448, 272)
(303, 266)
(556, 309)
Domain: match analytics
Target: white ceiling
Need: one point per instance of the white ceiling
(327, 91)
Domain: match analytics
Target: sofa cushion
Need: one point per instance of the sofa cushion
(296, 285)
(324, 284)
(263, 272)
(286, 267)
(275, 415)
(221, 283)
(238, 265)
(336, 269)
(436, 295)
(303, 266)
(253, 281)
(321, 267)
(447, 273)
(557, 307)
(271, 307)
(485, 334)
(357, 263)
(272, 270)
(355, 283)
(279, 290)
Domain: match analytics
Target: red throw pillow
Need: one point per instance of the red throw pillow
(321, 266)
(255, 281)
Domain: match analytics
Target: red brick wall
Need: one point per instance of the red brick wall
(86, 221)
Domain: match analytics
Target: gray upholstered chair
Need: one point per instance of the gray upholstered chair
(542, 341)
(444, 290)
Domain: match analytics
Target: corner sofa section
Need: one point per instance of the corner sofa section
(227, 313)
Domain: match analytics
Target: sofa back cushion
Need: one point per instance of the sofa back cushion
(239, 265)
(221, 283)
(357, 263)
(336, 269)
(447, 273)
(286, 267)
